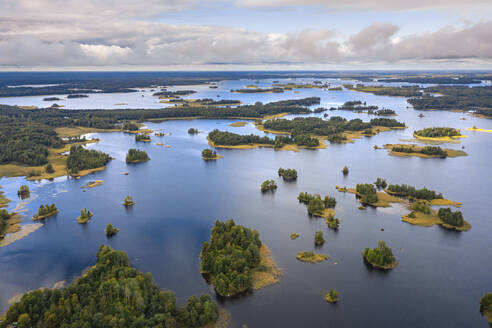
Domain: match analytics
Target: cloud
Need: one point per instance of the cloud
(375, 5)
(69, 33)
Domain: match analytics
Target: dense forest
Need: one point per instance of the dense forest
(230, 257)
(80, 159)
(136, 156)
(367, 193)
(332, 126)
(437, 132)
(381, 256)
(449, 217)
(404, 190)
(224, 138)
(426, 150)
(109, 294)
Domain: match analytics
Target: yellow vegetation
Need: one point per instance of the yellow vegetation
(294, 235)
(20, 233)
(238, 124)
(479, 130)
(428, 220)
(42, 217)
(271, 275)
(311, 257)
(449, 152)
(92, 184)
(292, 147)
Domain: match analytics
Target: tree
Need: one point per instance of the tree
(24, 321)
(345, 170)
(49, 168)
(381, 256)
(209, 154)
(381, 183)
(318, 238)
(268, 185)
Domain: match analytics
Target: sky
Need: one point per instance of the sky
(245, 34)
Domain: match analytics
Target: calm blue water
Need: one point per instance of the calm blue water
(441, 276)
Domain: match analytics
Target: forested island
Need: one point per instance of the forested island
(45, 211)
(232, 259)
(77, 96)
(209, 154)
(423, 215)
(268, 185)
(136, 156)
(331, 296)
(321, 207)
(110, 230)
(438, 133)
(80, 159)
(380, 257)
(287, 174)
(128, 201)
(403, 150)
(143, 137)
(84, 216)
(193, 131)
(23, 192)
(92, 300)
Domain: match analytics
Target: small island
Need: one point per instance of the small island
(73, 96)
(403, 150)
(142, 137)
(443, 134)
(345, 170)
(251, 266)
(136, 156)
(421, 214)
(209, 154)
(311, 257)
(268, 185)
(85, 216)
(45, 211)
(81, 159)
(128, 201)
(318, 238)
(294, 235)
(287, 174)
(51, 99)
(486, 306)
(317, 206)
(193, 131)
(23, 192)
(332, 222)
(380, 257)
(331, 296)
(111, 230)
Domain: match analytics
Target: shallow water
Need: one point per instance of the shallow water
(441, 275)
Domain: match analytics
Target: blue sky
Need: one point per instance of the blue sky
(245, 34)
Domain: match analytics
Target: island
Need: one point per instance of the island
(380, 257)
(423, 215)
(367, 195)
(45, 211)
(128, 201)
(51, 99)
(486, 306)
(287, 174)
(111, 230)
(345, 170)
(130, 127)
(72, 96)
(331, 296)
(320, 207)
(209, 154)
(23, 192)
(318, 238)
(412, 193)
(41, 308)
(85, 216)
(311, 257)
(403, 150)
(81, 161)
(136, 156)
(442, 134)
(250, 267)
(142, 137)
(193, 131)
(380, 183)
(268, 185)
(294, 235)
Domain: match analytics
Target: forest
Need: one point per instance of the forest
(224, 138)
(109, 294)
(287, 174)
(45, 211)
(437, 132)
(332, 126)
(404, 190)
(381, 256)
(5, 216)
(426, 150)
(449, 217)
(136, 155)
(80, 159)
(367, 192)
(230, 257)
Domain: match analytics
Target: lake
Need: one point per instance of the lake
(441, 276)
